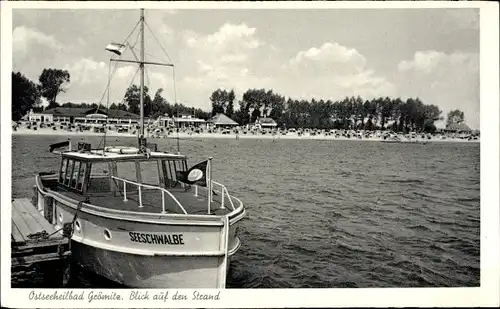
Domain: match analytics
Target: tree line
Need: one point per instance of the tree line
(27, 94)
(350, 113)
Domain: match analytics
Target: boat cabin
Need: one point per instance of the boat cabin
(126, 179)
(98, 171)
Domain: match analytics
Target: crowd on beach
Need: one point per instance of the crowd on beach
(153, 131)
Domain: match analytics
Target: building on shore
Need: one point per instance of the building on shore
(265, 123)
(84, 116)
(182, 122)
(459, 127)
(222, 121)
(188, 121)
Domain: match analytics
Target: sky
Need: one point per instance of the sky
(432, 54)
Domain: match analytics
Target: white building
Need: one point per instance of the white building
(184, 121)
(265, 123)
(84, 116)
(40, 117)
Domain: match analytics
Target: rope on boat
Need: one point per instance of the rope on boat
(67, 228)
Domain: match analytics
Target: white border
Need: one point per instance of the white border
(486, 295)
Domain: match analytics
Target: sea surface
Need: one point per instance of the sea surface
(327, 214)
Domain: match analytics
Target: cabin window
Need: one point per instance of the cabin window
(74, 174)
(69, 172)
(170, 168)
(99, 178)
(81, 176)
(149, 173)
(62, 172)
(126, 170)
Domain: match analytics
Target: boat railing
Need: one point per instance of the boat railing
(224, 193)
(139, 188)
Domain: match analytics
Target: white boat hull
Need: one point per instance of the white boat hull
(139, 271)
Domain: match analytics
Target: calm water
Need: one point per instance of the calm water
(329, 213)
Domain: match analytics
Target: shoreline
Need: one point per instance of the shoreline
(289, 136)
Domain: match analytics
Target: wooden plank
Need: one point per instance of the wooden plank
(17, 261)
(32, 223)
(33, 212)
(17, 237)
(44, 243)
(19, 222)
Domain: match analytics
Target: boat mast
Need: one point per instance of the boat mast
(141, 65)
(142, 62)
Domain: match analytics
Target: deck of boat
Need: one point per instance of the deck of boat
(152, 201)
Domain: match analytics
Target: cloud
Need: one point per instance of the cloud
(158, 23)
(333, 71)
(331, 56)
(449, 81)
(89, 79)
(25, 40)
(222, 60)
(232, 42)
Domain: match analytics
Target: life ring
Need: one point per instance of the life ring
(122, 150)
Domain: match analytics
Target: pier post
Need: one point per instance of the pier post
(48, 209)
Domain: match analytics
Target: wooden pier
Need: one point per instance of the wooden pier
(35, 243)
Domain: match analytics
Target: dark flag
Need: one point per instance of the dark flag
(195, 175)
(58, 145)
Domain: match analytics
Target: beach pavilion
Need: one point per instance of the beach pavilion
(459, 127)
(221, 120)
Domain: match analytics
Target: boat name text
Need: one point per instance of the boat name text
(164, 239)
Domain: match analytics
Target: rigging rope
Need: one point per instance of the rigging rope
(110, 76)
(147, 25)
(173, 77)
(116, 64)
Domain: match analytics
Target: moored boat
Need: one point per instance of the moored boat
(141, 217)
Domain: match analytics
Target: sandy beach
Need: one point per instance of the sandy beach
(185, 135)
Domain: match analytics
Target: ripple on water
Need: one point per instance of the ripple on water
(371, 215)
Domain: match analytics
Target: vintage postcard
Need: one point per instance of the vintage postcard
(241, 154)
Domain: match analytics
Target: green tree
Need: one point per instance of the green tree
(255, 115)
(52, 82)
(132, 99)
(454, 117)
(277, 109)
(122, 106)
(230, 104)
(25, 95)
(222, 102)
(218, 99)
(243, 114)
(429, 126)
(253, 100)
(159, 104)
